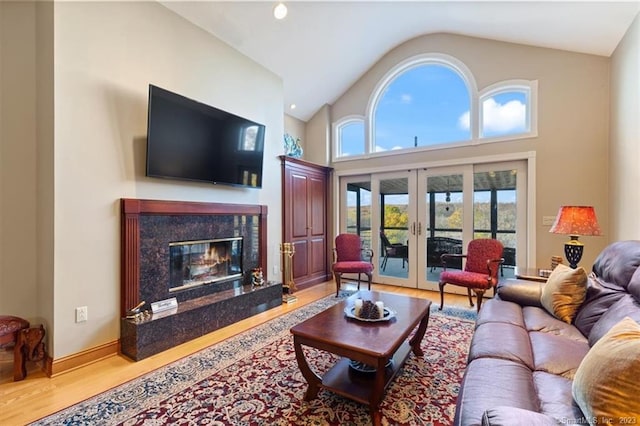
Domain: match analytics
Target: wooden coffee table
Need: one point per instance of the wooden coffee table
(371, 343)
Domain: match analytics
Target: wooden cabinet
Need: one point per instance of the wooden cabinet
(305, 200)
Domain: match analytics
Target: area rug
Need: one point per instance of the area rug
(253, 379)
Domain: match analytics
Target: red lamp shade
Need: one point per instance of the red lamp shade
(575, 221)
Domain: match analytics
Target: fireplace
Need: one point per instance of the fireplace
(202, 255)
(195, 263)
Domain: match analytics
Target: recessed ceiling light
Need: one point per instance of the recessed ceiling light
(280, 11)
(292, 106)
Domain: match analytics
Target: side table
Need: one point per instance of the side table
(530, 274)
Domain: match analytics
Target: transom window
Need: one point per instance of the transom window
(507, 109)
(351, 137)
(431, 102)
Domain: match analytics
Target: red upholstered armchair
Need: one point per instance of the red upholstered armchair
(484, 257)
(349, 258)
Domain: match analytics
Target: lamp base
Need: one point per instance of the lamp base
(573, 250)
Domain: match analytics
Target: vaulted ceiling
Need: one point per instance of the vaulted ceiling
(322, 47)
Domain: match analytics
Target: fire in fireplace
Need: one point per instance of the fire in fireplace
(195, 263)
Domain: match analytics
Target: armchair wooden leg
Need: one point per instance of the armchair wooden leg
(369, 277)
(469, 294)
(337, 278)
(479, 294)
(359, 277)
(441, 285)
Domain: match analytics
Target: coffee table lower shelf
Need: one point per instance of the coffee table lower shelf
(358, 386)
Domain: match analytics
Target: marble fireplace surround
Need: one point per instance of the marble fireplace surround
(148, 226)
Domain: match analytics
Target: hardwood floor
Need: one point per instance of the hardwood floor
(38, 396)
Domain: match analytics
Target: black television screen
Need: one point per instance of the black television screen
(189, 140)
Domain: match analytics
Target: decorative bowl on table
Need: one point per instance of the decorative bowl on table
(366, 310)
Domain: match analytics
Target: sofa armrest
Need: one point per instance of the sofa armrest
(522, 292)
(511, 416)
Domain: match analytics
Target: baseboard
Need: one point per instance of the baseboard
(71, 362)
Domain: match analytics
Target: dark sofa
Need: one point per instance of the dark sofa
(522, 360)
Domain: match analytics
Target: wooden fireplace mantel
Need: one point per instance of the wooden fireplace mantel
(132, 209)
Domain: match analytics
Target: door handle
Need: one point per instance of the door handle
(413, 228)
(419, 228)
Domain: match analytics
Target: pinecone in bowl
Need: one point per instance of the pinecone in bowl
(369, 310)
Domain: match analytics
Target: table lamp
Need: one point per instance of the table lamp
(575, 221)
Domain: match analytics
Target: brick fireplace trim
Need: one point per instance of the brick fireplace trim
(132, 209)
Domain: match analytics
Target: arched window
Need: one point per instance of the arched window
(507, 109)
(421, 106)
(349, 135)
(431, 101)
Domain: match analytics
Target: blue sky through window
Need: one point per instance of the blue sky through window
(424, 102)
(352, 139)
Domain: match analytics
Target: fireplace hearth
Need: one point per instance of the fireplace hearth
(201, 254)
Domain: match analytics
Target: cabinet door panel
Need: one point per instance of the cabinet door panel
(301, 259)
(317, 204)
(318, 255)
(299, 204)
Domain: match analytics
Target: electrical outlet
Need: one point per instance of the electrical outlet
(275, 269)
(548, 220)
(82, 314)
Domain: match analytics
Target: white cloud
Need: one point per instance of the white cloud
(382, 149)
(499, 118)
(503, 118)
(406, 98)
(464, 121)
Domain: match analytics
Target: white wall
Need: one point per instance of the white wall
(78, 146)
(625, 136)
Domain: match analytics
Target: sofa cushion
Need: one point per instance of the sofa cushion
(617, 263)
(627, 306)
(492, 382)
(496, 310)
(601, 295)
(634, 285)
(564, 292)
(538, 319)
(555, 354)
(556, 399)
(606, 383)
(514, 343)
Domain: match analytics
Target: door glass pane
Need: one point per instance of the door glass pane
(445, 213)
(359, 210)
(494, 212)
(394, 224)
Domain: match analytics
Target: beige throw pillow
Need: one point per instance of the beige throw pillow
(564, 292)
(606, 383)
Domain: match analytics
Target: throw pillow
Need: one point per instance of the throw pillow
(564, 292)
(605, 386)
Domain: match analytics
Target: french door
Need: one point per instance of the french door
(410, 217)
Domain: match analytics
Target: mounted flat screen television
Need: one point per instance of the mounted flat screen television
(189, 140)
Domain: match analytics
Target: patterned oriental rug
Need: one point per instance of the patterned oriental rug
(253, 379)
